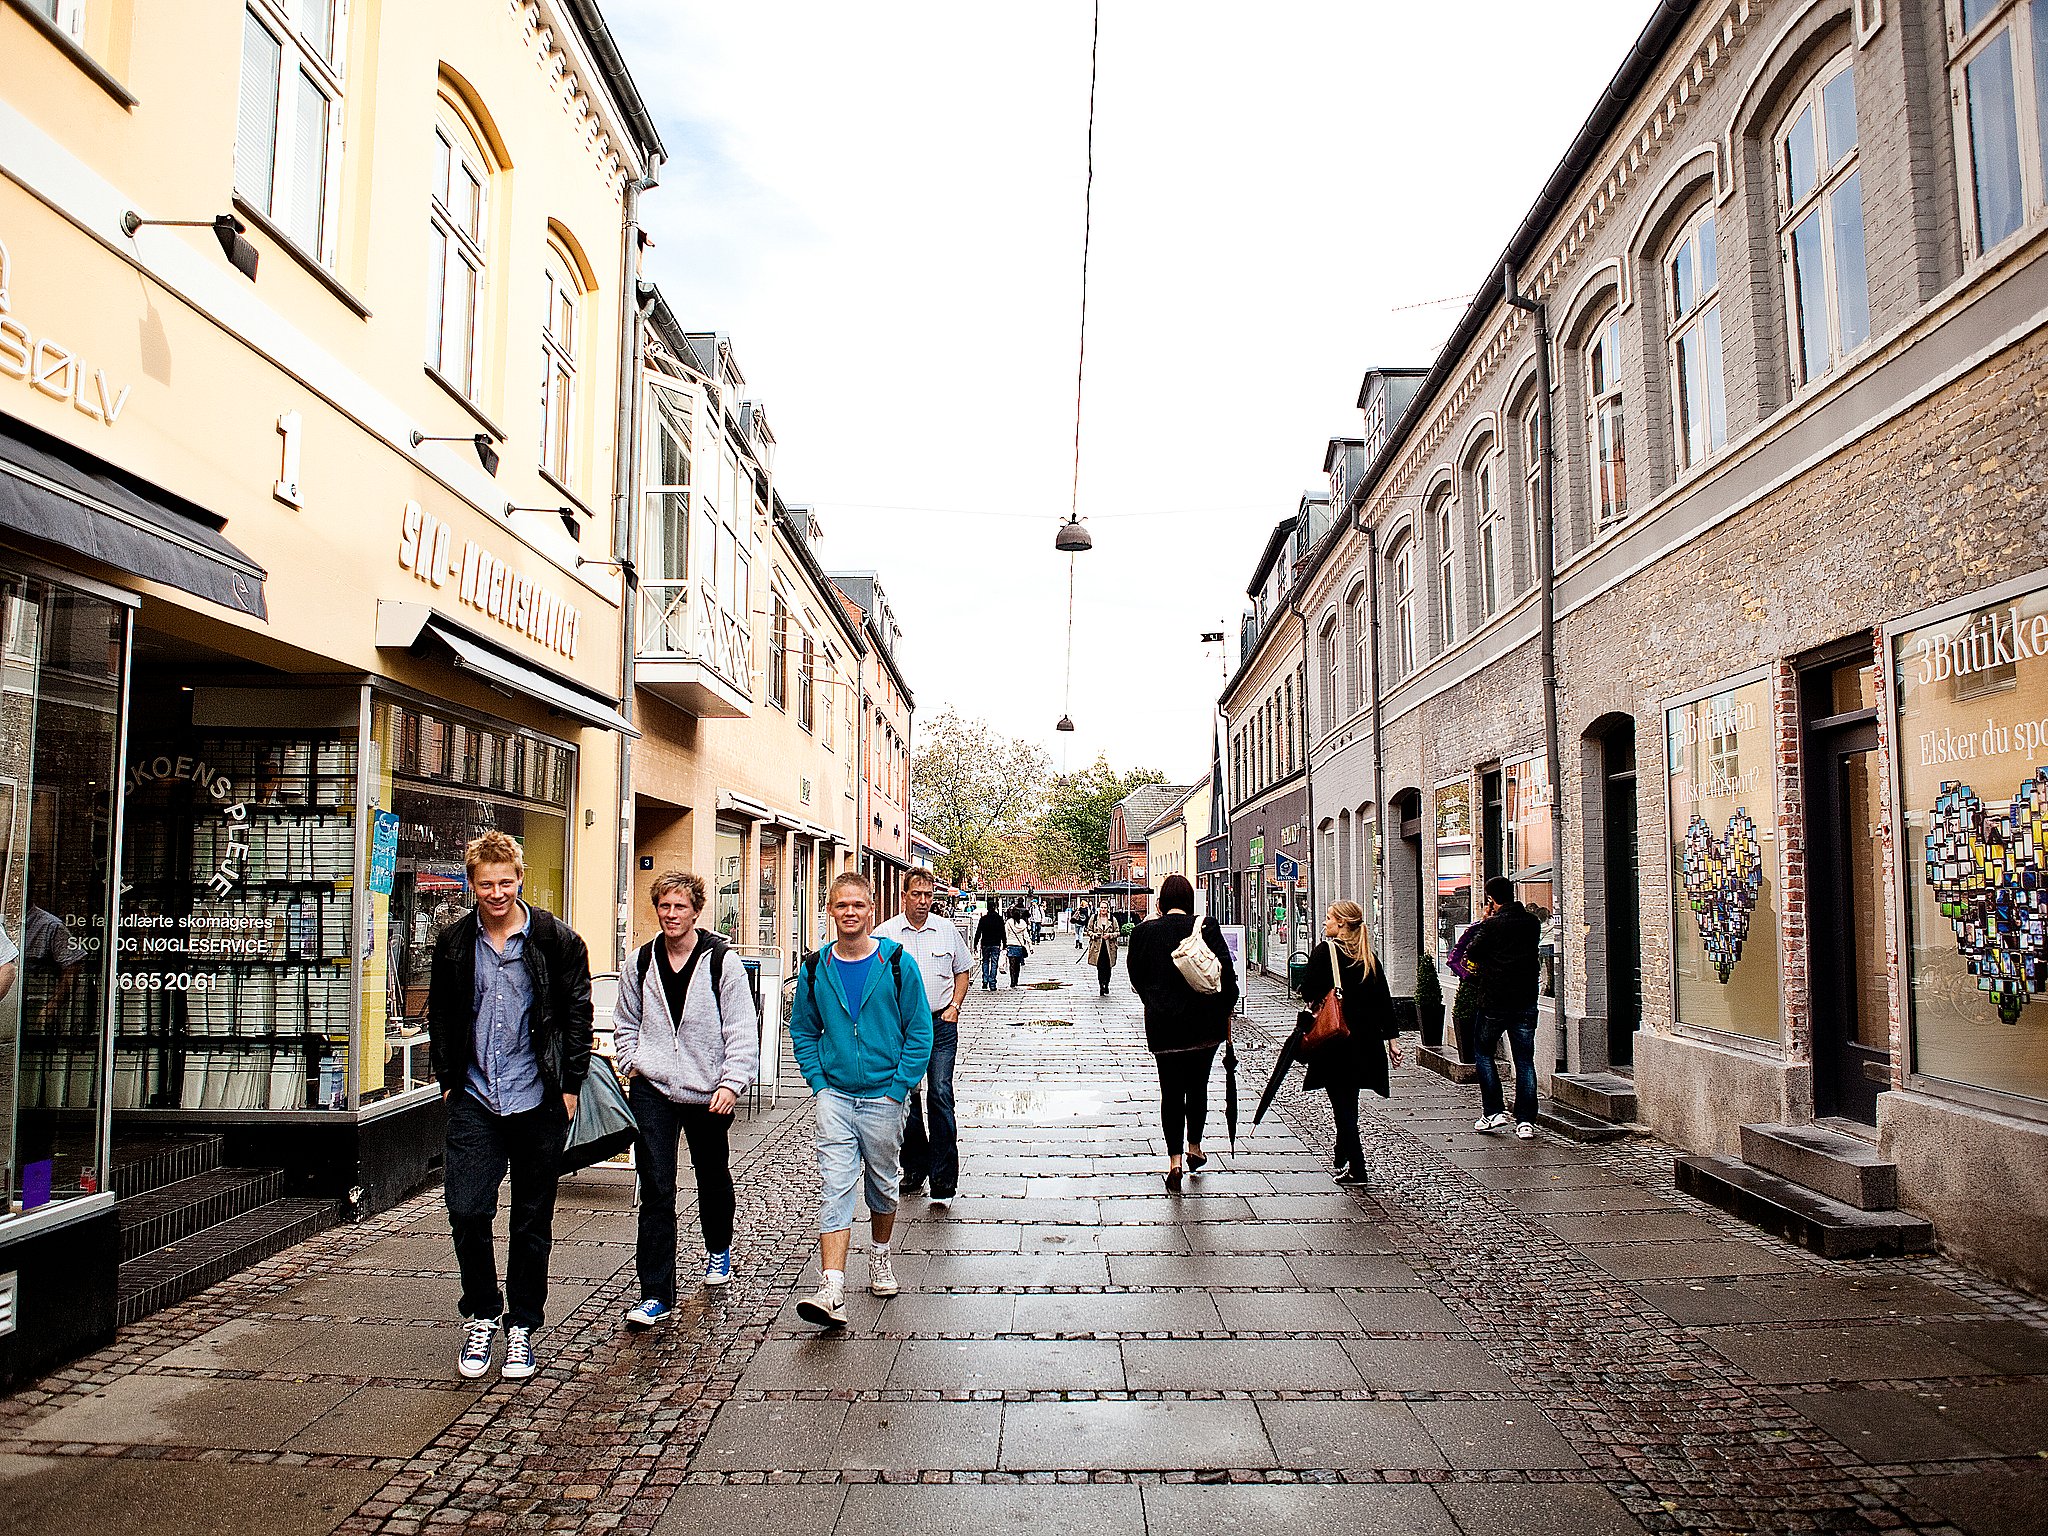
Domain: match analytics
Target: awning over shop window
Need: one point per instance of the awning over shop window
(417, 628)
(62, 496)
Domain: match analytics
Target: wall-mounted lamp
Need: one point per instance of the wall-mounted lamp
(486, 453)
(566, 514)
(227, 229)
(623, 564)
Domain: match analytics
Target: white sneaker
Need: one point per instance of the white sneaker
(1493, 1122)
(1524, 1131)
(881, 1275)
(826, 1307)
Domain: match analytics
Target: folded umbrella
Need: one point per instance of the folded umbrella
(1230, 1086)
(1289, 1054)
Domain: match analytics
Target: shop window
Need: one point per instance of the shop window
(288, 120)
(2001, 87)
(769, 919)
(1606, 422)
(1820, 195)
(1453, 865)
(458, 222)
(729, 847)
(559, 339)
(1724, 862)
(60, 698)
(1972, 698)
(1693, 302)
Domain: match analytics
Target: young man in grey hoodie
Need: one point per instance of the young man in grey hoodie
(688, 1038)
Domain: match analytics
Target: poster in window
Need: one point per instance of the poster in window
(1453, 864)
(1724, 863)
(1972, 745)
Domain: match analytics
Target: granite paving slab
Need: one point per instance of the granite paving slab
(1892, 1426)
(752, 1509)
(1244, 1365)
(1332, 1271)
(1989, 1501)
(1296, 1510)
(385, 1421)
(1495, 1435)
(1634, 1227)
(1283, 1312)
(1877, 1352)
(1128, 1312)
(1007, 1365)
(1798, 1298)
(1153, 1434)
(830, 1360)
(992, 1509)
(1684, 1260)
(921, 1437)
(1555, 1509)
(1400, 1312)
(1348, 1436)
(778, 1435)
(53, 1496)
(1199, 1271)
(231, 1414)
(1428, 1365)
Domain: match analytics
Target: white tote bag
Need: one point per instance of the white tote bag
(1198, 965)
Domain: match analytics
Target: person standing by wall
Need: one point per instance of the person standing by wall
(1505, 962)
(1104, 934)
(689, 1042)
(509, 1031)
(990, 934)
(1361, 1058)
(931, 1149)
(861, 1027)
(1183, 1027)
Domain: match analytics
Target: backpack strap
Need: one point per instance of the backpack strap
(717, 945)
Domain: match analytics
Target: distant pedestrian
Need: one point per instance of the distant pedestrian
(1080, 926)
(931, 1149)
(861, 1026)
(1504, 960)
(990, 934)
(509, 1031)
(689, 1041)
(1361, 1058)
(1103, 936)
(1016, 941)
(1183, 1027)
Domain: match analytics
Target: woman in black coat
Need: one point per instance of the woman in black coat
(1344, 1066)
(1183, 1027)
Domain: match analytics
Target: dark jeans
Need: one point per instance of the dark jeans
(1520, 1028)
(481, 1148)
(1103, 967)
(1184, 1096)
(934, 1153)
(990, 955)
(1016, 953)
(1350, 1152)
(662, 1122)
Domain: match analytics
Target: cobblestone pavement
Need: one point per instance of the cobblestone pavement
(1496, 1335)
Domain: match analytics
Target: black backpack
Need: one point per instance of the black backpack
(718, 946)
(810, 968)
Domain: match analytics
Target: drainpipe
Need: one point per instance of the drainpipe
(1308, 775)
(1547, 620)
(625, 541)
(1379, 791)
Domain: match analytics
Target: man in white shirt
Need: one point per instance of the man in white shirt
(947, 966)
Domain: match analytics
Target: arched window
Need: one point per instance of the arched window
(457, 252)
(1330, 653)
(559, 339)
(1403, 563)
(1606, 437)
(1357, 636)
(2001, 85)
(1820, 198)
(1443, 520)
(1692, 300)
(1532, 481)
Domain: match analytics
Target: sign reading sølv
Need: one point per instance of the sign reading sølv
(487, 584)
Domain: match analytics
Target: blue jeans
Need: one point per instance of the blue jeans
(1520, 1028)
(935, 1152)
(860, 1141)
(991, 957)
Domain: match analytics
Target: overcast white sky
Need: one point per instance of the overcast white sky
(882, 206)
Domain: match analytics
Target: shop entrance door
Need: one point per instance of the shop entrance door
(1621, 895)
(1845, 899)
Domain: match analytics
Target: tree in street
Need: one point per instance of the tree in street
(978, 792)
(1073, 831)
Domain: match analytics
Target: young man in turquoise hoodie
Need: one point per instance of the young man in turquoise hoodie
(862, 1034)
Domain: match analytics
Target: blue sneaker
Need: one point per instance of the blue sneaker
(520, 1359)
(649, 1313)
(718, 1268)
(479, 1337)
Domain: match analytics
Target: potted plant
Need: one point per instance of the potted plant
(1429, 1003)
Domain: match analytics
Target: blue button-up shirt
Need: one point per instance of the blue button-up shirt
(503, 1072)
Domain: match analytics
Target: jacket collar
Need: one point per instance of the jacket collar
(874, 972)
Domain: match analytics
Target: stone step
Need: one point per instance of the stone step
(149, 1162)
(1570, 1123)
(1603, 1095)
(1799, 1214)
(152, 1281)
(1446, 1063)
(1840, 1166)
(172, 1212)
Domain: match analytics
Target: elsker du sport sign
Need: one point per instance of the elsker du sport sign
(426, 547)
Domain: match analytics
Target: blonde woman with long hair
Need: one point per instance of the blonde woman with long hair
(1360, 1060)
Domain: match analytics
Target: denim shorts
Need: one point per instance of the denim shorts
(856, 1138)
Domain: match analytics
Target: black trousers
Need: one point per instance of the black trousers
(482, 1147)
(662, 1123)
(1350, 1152)
(1016, 963)
(1184, 1096)
(1104, 965)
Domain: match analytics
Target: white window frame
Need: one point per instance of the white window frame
(559, 338)
(1699, 323)
(1829, 178)
(462, 249)
(1444, 519)
(2021, 23)
(1493, 576)
(1404, 607)
(68, 16)
(1606, 413)
(1532, 479)
(298, 57)
(807, 683)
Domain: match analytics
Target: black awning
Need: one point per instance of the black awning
(418, 628)
(60, 495)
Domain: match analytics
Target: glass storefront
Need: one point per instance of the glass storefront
(1453, 865)
(63, 656)
(1972, 750)
(1724, 862)
(770, 884)
(729, 850)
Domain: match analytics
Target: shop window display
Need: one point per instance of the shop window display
(1972, 748)
(62, 654)
(438, 780)
(1453, 865)
(1724, 862)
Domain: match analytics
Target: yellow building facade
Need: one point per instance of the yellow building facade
(309, 392)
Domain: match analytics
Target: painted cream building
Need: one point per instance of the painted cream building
(316, 652)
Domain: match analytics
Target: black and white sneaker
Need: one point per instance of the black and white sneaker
(520, 1361)
(479, 1339)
